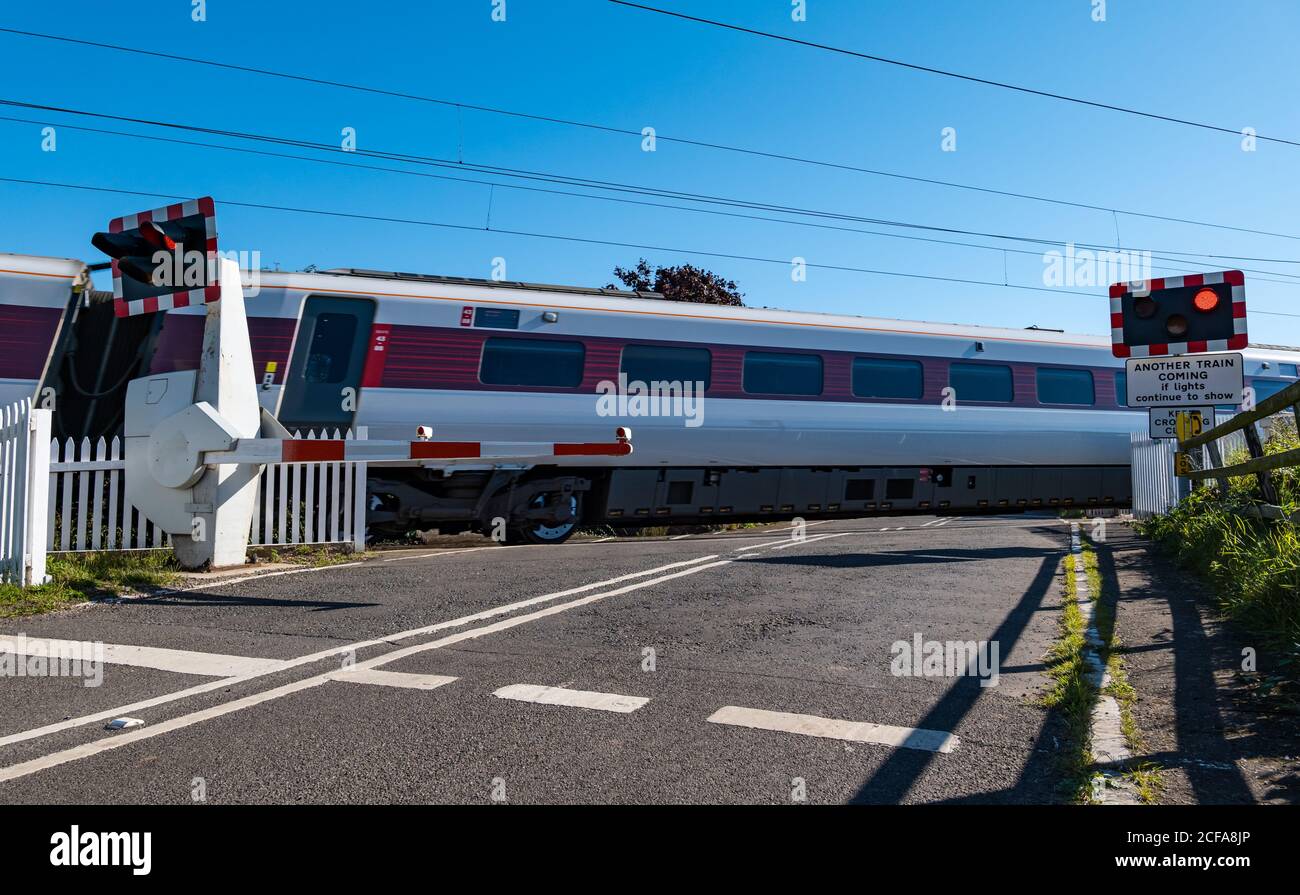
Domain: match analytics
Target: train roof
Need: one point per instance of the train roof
(418, 286)
(412, 285)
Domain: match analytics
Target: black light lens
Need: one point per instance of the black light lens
(1176, 325)
(1145, 307)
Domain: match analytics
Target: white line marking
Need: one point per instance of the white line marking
(22, 769)
(597, 541)
(678, 537)
(179, 661)
(450, 551)
(583, 699)
(392, 678)
(762, 544)
(332, 653)
(833, 728)
(812, 540)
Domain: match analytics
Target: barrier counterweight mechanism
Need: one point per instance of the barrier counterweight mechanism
(197, 440)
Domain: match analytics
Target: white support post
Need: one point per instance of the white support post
(223, 498)
(359, 498)
(38, 496)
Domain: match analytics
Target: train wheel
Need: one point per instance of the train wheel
(541, 533)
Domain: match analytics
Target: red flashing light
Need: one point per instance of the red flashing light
(1206, 300)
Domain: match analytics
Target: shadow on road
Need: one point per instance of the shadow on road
(895, 777)
(1205, 755)
(903, 557)
(195, 599)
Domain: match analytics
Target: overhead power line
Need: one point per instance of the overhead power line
(1266, 274)
(615, 186)
(625, 131)
(574, 239)
(951, 74)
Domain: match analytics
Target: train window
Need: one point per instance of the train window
(981, 382)
(898, 489)
(535, 362)
(1057, 386)
(1267, 388)
(859, 489)
(768, 373)
(664, 363)
(331, 348)
(875, 377)
(1288, 370)
(1121, 389)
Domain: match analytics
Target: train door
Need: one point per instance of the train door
(322, 388)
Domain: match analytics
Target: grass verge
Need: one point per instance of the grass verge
(1073, 694)
(75, 578)
(1253, 567)
(306, 555)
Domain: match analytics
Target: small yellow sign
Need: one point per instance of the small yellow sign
(1189, 424)
(1182, 463)
(272, 366)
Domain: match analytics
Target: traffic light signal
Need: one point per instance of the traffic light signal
(163, 259)
(1179, 315)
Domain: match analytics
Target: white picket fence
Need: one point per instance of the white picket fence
(71, 498)
(24, 456)
(1156, 490)
(297, 503)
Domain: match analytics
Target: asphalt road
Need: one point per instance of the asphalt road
(745, 667)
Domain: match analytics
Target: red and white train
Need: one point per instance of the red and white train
(802, 414)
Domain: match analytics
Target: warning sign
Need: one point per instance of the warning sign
(1185, 380)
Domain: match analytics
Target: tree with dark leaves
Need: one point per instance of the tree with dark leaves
(683, 283)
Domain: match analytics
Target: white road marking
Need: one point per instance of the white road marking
(179, 661)
(598, 540)
(835, 729)
(763, 544)
(23, 769)
(44, 762)
(583, 699)
(812, 540)
(392, 678)
(679, 537)
(332, 653)
(451, 551)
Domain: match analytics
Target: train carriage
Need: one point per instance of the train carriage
(738, 413)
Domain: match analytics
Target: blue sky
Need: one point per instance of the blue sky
(1227, 64)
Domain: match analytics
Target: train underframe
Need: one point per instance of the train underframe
(546, 505)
